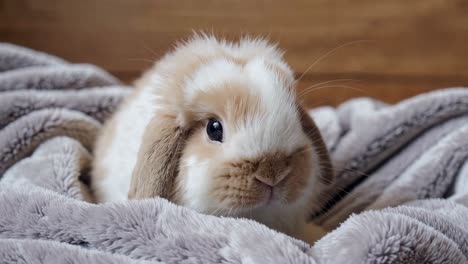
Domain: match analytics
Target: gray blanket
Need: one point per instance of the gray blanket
(400, 197)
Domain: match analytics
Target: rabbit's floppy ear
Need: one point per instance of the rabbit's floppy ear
(310, 129)
(156, 168)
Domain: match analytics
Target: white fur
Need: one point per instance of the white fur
(197, 185)
(122, 155)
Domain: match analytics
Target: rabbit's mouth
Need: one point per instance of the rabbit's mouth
(268, 206)
(251, 193)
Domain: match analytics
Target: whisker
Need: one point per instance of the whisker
(302, 151)
(150, 61)
(312, 133)
(215, 211)
(330, 86)
(329, 53)
(151, 50)
(323, 211)
(347, 170)
(332, 81)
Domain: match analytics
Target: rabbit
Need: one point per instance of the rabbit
(215, 126)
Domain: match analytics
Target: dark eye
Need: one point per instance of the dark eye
(214, 129)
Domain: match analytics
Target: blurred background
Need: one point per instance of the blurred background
(388, 49)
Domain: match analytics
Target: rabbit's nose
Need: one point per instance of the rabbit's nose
(272, 173)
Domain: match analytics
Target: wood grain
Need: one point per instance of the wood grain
(395, 48)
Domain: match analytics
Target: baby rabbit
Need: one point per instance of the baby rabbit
(215, 126)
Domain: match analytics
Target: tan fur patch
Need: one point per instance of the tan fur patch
(311, 130)
(157, 162)
(239, 185)
(234, 103)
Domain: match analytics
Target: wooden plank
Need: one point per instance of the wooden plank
(396, 48)
(405, 37)
(389, 89)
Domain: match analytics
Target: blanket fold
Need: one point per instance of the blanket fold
(401, 193)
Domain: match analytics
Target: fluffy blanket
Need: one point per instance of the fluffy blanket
(400, 197)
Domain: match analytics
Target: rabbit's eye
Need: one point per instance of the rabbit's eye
(214, 129)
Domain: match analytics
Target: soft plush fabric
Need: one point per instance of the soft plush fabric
(400, 195)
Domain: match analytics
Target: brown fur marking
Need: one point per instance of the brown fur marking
(311, 130)
(239, 185)
(157, 162)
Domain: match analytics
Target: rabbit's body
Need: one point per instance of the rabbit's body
(117, 148)
(216, 127)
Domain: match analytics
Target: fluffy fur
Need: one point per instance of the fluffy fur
(271, 164)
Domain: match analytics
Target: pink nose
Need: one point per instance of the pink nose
(271, 173)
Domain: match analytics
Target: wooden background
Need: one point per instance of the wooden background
(390, 49)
